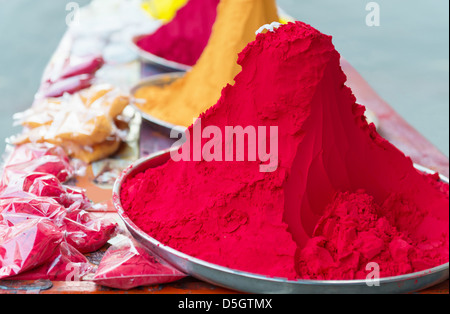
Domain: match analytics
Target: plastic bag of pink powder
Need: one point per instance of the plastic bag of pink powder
(74, 77)
(29, 158)
(66, 264)
(86, 232)
(81, 229)
(14, 211)
(47, 185)
(126, 265)
(27, 245)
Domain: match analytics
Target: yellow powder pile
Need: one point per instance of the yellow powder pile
(163, 9)
(185, 99)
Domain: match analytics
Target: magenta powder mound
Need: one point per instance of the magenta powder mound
(186, 36)
(341, 198)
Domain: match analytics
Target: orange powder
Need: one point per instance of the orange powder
(185, 99)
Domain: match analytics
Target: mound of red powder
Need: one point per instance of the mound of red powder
(300, 220)
(355, 231)
(184, 38)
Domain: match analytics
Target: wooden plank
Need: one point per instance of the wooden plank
(186, 286)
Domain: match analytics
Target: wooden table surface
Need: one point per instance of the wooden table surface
(391, 126)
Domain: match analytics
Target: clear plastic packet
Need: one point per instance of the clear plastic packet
(27, 245)
(47, 185)
(75, 195)
(29, 158)
(66, 264)
(30, 152)
(72, 78)
(86, 232)
(69, 85)
(14, 211)
(81, 229)
(88, 65)
(71, 66)
(28, 223)
(44, 225)
(126, 265)
(42, 195)
(43, 184)
(83, 124)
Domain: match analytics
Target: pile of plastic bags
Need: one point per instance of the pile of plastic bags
(45, 225)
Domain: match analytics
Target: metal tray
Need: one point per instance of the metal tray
(157, 80)
(155, 60)
(251, 283)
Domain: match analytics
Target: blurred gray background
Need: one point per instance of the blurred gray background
(405, 59)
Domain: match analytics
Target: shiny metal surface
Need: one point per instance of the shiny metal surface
(152, 59)
(157, 80)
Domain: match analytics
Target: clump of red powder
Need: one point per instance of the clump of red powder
(355, 232)
(184, 38)
(276, 224)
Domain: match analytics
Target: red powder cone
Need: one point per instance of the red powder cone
(234, 215)
(184, 38)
